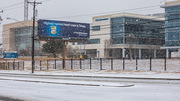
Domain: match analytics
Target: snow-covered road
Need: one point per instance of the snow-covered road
(86, 80)
(54, 92)
(52, 89)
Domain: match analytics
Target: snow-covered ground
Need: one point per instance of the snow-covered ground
(58, 91)
(109, 73)
(33, 91)
(47, 91)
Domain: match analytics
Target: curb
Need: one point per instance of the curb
(77, 84)
(108, 77)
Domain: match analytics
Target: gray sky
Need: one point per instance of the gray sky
(77, 10)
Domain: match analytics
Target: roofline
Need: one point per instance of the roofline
(170, 47)
(130, 15)
(170, 5)
(17, 22)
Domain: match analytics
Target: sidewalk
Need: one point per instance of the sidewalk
(92, 77)
(103, 73)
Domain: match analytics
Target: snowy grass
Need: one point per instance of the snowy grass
(172, 65)
(111, 73)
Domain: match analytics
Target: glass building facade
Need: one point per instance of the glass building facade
(90, 41)
(172, 26)
(96, 28)
(118, 30)
(23, 39)
(129, 30)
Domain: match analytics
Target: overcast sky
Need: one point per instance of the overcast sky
(77, 10)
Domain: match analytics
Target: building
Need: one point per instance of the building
(111, 36)
(125, 35)
(18, 37)
(160, 15)
(172, 27)
(1, 53)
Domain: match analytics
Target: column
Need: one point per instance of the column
(97, 53)
(167, 53)
(139, 53)
(123, 53)
(100, 53)
(155, 51)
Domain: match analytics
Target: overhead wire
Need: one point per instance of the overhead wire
(10, 6)
(15, 6)
(103, 12)
(7, 8)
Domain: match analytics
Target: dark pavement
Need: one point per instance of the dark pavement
(2, 98)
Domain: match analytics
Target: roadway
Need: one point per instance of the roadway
(87, 88)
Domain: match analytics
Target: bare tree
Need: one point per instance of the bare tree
(130, 40)
(27, 51)
(70, 51)
(107, 44)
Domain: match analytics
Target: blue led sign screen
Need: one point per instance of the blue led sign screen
(63, 29)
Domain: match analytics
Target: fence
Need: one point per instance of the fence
(97, 64)
(12, 65)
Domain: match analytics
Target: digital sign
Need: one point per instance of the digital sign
(63, 29)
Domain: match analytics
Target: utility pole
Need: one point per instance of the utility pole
(34, 7)
(64, 54)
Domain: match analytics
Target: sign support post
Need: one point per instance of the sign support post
(64, 54)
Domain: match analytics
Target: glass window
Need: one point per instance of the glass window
(73, 43)
(117, 30)
(23, 39)
(94, 41)
(90, 41)
(128, 30)
(172, 25)
(96, 28)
